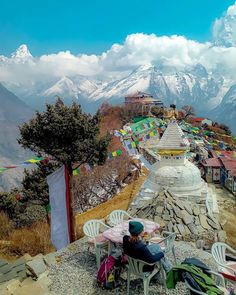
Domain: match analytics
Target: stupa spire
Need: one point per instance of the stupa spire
(173, 139)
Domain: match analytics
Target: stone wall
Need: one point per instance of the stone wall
(190, 221)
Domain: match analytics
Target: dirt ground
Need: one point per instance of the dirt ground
(227, 207)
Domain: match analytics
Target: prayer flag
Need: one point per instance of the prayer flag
(151, 133)
(119, 152)
(76, 172)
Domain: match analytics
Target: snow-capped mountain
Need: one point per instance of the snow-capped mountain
(193, 86)
(72, 87)
(208, 92)
(226, 111)
(20, 56)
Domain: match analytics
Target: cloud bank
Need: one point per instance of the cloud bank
(138, 49)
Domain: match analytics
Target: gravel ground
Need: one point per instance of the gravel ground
(75, 272)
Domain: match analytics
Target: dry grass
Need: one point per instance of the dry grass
(32, 240)
(229, 227)
(120, 201)
(6, 226)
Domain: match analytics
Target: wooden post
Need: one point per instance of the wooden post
(69, 202)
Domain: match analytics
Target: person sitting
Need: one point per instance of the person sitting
(134, 247)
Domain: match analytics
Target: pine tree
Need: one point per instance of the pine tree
(67, 134)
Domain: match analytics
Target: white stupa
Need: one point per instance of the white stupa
(174, 171)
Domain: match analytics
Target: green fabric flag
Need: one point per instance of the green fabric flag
(48, 208)
(76, 172)
(118, 152)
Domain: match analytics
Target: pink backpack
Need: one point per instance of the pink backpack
(106, 273)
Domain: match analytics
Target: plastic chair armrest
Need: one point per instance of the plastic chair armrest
(227, 267)
(231, 249)
(216, 274)
(105, 225)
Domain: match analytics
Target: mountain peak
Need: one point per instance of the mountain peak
(146, 67)
(22, 53)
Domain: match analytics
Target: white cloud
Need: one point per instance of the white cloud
(224, 28)
(137, 49)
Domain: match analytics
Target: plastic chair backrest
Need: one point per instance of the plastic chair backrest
(91, 228)
(218, 252)
(169, 241)
(117, 216)
(136, 266)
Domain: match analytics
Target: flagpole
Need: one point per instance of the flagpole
(69, 204)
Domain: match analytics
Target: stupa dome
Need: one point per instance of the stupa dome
(184, 178)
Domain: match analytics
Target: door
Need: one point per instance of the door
(216, 174)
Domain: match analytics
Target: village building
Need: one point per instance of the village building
(212, 169)
(143, 100)
(175, 173)
(228, 173)
(201, 122)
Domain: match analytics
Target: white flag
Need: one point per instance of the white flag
(59, 219)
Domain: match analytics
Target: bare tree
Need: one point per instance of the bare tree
(188, 111)
(101, 183)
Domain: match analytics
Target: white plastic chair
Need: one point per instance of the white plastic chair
(92, 229)
(169, 242)
(117, 216)
(135, 267)
(218, 252)
(220, 284)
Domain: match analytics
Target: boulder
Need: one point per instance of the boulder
(196, 210)
(177, 212)
(188, 208)
(192, 228)
(50, 259)
(175, 229)
(170, 226)
(203, 221)
(36, 267)
(181, 229)
(221, 236)
(180, 204)
(187, 218)
(159, 210)
(213, 224)
(196, 220)
(166, 217)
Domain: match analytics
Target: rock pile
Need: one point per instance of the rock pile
(26, 275)
(186, 219)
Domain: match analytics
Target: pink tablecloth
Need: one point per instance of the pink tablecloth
(116, 233)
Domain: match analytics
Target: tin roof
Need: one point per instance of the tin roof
(212, 162)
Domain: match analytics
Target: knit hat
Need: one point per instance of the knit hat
(135, 228)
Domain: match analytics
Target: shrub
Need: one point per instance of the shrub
(6, 226)
(32, 240)
(30, 215)
(9, 204)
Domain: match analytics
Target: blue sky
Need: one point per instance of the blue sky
(92, 26)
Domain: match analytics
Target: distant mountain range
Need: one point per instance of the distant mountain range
(13, 112)
(210, 94)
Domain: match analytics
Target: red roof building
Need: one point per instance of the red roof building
(143, 98)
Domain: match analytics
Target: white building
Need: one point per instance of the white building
(174, 172)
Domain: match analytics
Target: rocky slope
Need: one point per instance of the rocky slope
(13, 112)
